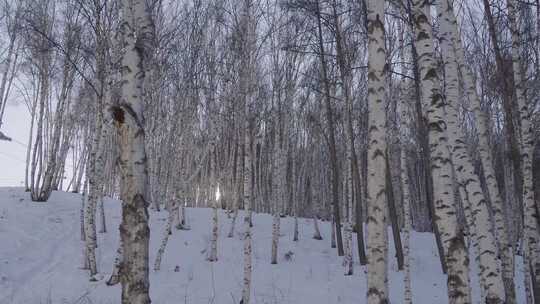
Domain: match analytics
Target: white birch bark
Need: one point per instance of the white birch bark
(316, 206)
(403, 134)
(279, 196)
(136, 30)
(102, 221)
(531, 258)
(246, 291)
(115, 275)
(482, 124)
(99, 172)
(95, 165)
(67, 138)
(29, 144)
(407, 258)
(38, 153)
(233, 220)
(59, 117)
(316, 230)
(5, 74)
(212, 196)
(184, 217)
(491, 279)
(54, 121)
(347, 228)
(167, 232)
(85, 264)
(81, 214)
(82, 168)
(352, 169)
(236, 194)
(275, 238)
(214, 239)
(377, 233)
(179, 214)
(13, 73)
(348, 257)
(91, 204)
(246, 83)
(455, 250)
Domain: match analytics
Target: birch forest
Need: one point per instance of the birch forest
(288, 139)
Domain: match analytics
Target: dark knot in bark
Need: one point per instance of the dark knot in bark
(117, 114)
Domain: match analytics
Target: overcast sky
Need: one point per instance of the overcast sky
(13, 154)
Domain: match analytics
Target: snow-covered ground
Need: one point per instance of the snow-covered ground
(40, 259)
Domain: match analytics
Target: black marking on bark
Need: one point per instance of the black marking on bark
(118, 114)
(377, 153)
(422, 36)
(378, 294)
(431, 74)
(436, 126)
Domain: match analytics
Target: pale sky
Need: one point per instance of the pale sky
(13, 154)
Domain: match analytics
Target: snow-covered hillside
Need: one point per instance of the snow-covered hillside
(40, 259)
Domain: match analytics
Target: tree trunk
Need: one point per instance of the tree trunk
(166, 233)
(393, 215)
(452, 239)
(407, 258)
(213, 257)
(279, 190)
(117, 266)
(5, 75)
(334, 167)
(295, 234)
(531, 258)
(482, 124)
(102, 222)
(344, 68)
(137, 31)
(491, 279)
(246, 83)
(85, 264)
(317, 232)
(425, 179)
(507, 93)
(93, 192)
(333, 233)
(29, 145)
(246, 291)
(377, 240)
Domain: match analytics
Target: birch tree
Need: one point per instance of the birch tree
(377, 241)
(213, 257)
(491, 278)
(136, 30)
(482, 124)
(455, 250)
(13, 16)
(246, 78)
(404, 173)
(329, 113)
(342, 58)
(531, 257)
(407, 259)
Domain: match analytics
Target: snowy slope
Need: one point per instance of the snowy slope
(41, 253)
